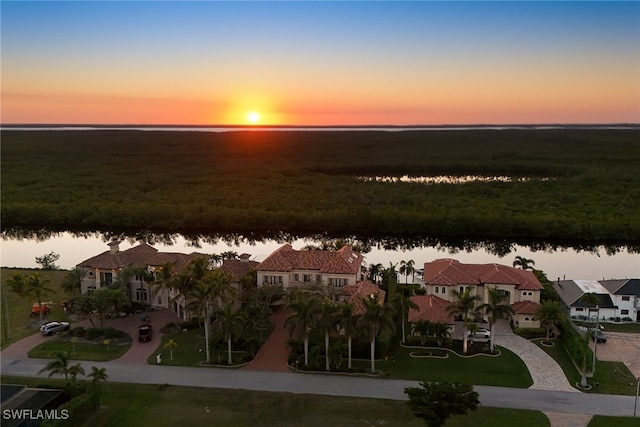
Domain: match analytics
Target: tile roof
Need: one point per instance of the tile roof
(343, 261)
(431, 308)
(357, 292)
(452, 272)
(238, 268)
(142, 255)
(525, 307)
(570, 292)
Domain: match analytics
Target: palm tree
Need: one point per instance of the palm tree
(423, 328)
(403, 300)
(407, 268)
(348, 321)
(98, 374)
(32, 286)
(60, 366)
(164, 278)
(326, 322)
(523, 263)
(305, 308)
(72, 282)
(374, 273)
(465, 306)
(549, 313)
(441, 331)
(222, 291)
(200, 299)
(229, 323)
(376, 318)
(495, 310)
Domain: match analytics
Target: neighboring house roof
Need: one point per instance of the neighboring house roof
(450, 272)
(431, 308)
(238, 268)
(525, 307)
(570, 292)
(284, 259)
(142, 255)
(359, 291)
(622, 286)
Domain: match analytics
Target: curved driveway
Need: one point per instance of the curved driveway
(545, 372)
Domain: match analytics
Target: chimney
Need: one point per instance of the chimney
(114, 247)
(245, 257)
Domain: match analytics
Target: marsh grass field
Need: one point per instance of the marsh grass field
(567, 185)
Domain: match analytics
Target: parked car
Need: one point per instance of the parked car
(35, 309)
(144, 332)
(597, 334)
(481, 334)
(51, 328)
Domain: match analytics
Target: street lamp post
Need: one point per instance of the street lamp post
(635, 402)
(595, 339)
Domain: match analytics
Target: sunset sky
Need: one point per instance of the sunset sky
(320, 63)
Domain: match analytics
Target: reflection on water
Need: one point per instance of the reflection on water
(448, 179)
(577, 261)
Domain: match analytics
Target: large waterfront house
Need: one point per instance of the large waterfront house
(521, 289)
(146, 263)
(617, 299)
(332, 270)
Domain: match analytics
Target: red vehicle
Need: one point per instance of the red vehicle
(144, 332)
(35, 309)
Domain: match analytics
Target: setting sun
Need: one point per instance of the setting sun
(253, 117)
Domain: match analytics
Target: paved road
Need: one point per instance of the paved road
(542, 400)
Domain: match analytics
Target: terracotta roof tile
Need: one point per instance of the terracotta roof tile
(453, 272)
(237, 268)
(431, 308)
(525, 307)
(357, 292)
(343, 261)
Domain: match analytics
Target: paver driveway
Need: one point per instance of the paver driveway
(623, 347)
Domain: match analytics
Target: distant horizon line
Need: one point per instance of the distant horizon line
(258, 126)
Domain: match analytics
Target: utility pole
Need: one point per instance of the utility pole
(635, 402)
(595, 338)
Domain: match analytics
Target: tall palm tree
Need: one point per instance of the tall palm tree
(60, 365)
(374, 273)
(200, 298)
(31, 286)
(326, 323)
(304, 309)
(222, 291)
(465, 306)
(407, 268)
(230, 323)
(376, 318)
(72, 282)
(495, 310)
(550, 313)
(348, 321)
(523, 263)
(404, 302)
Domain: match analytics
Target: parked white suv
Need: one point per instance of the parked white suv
(51, 328)
(481, 334)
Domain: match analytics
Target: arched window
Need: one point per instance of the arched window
(526, 319)
(461, 289)
(435, 290)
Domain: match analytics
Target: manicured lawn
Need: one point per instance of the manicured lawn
(614, 327)
(612, 377)
(506, 370)
(21, 324)
(602, 421)
(151, 405)
(190, 350)
(98, 352)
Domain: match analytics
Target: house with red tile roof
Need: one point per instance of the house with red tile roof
(358, 292)
(289, 267)
(521, 288)
(238, 269)
(105, 268)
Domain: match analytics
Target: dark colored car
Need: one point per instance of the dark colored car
(144, 333)
(596, 334)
